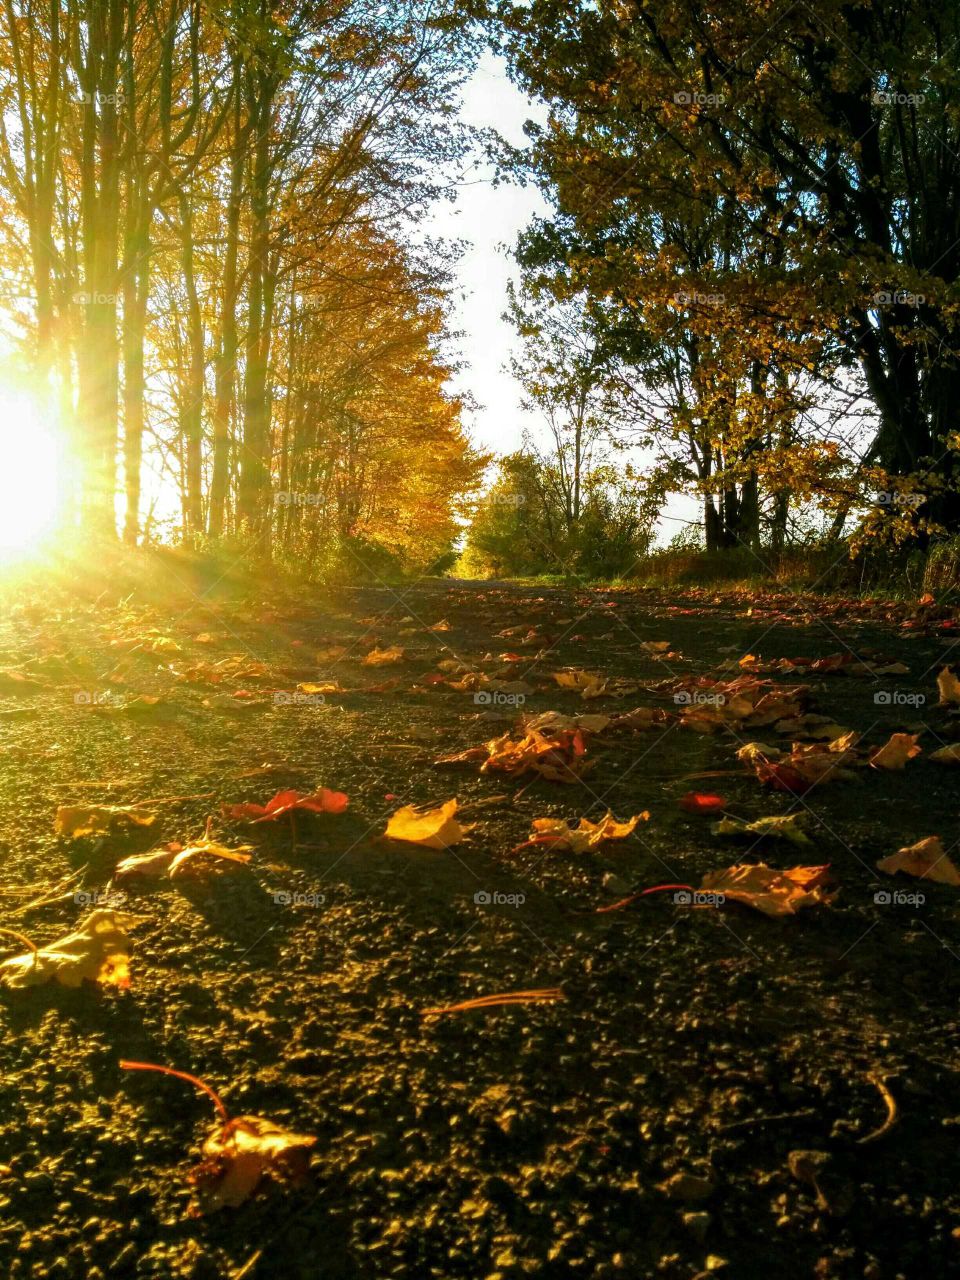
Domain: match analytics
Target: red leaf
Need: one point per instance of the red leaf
(698, 802)
(322, 801)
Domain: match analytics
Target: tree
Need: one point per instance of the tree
(824, 141)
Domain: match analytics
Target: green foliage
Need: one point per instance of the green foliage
(521, 529)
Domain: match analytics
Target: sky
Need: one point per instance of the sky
(489, 219)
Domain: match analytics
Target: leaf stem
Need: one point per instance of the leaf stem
(126, 1065)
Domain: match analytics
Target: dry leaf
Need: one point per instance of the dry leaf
(700, 802)
(586, 835)
(555, 722)
(752, 752)
(926, 859)
(775, 893)
(321, 801)
(239, 1153)
(96, 951)
(177, 861)
(431, 828)
(73, 821)
(590, 686)
(947, 755)
(383, 657)
(786, 827)
(949, 687)
(895, 754)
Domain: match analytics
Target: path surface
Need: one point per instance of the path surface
(545, 1140)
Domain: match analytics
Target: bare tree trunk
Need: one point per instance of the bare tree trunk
(225, 377)
(191, 409)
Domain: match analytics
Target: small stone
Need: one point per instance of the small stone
(697, 1224)
(687, 1186)
(612, 883)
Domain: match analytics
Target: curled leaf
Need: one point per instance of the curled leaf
(177, 861)
(786, 827)
(384, 657)
(586, 835)
(240, 1153)
(895, 753)
(700, 802)
(322, 801)
(775, 893)
(431, 828)
(949, 687)
(926, 859)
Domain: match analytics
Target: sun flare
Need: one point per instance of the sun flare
(29, 475)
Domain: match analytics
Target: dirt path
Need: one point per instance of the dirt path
(699, 1101)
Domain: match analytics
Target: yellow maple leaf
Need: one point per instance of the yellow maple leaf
(895, 753)
(431, 828)
(96, 951)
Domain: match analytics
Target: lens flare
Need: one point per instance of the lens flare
(30, 456)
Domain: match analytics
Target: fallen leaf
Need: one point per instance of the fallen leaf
(947, 755)
(383, 657)
(589, 686)
(321, 801)
(239, 1152)
(73, 821)
(895, 753)
(699, 802)
(775, 893)
(926, 859)
(431, 828)
(786, 827)
(177, 861)
(949, 687)
(96, 951)
(586, 835)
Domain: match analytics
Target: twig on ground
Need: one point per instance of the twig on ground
(892, 1116)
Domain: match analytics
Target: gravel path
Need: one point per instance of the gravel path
(697, 1103)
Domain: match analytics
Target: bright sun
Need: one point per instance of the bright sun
(29, 475)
